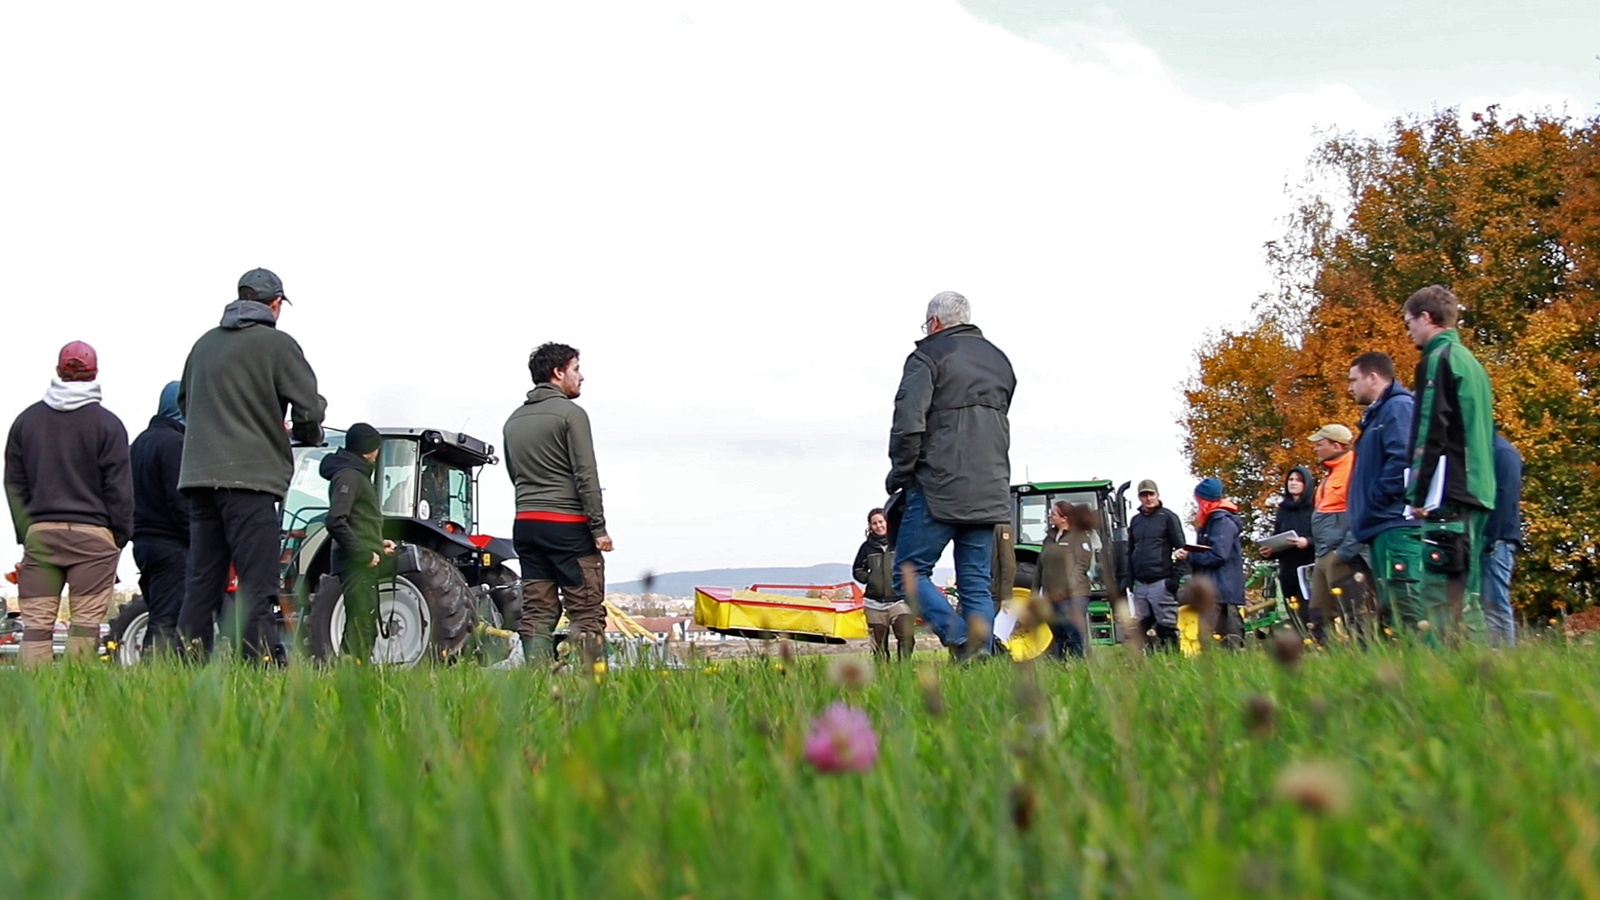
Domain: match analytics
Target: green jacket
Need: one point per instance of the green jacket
(1454, 422)
(550, 457)
(240, 380)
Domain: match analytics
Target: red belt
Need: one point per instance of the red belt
(538, 516)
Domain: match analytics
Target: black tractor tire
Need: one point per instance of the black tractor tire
(499, 605)
(125, 640)
(426, 615)
(1027, 576)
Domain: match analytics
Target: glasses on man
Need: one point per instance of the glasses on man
(928, 325)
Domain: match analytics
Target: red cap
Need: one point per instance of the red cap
(77, 362)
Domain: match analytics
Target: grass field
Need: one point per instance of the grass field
(1397, 774)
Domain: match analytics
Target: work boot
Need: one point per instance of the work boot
(539, 650)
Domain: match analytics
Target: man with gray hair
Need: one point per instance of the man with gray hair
(949, 451)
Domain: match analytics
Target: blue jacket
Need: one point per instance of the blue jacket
(1224, 562)
(1505, 522)
(1378, 482)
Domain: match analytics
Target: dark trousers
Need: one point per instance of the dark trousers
(1069, 623)
(360, 587)
(1224, 624)
(240, 528)
(163, 573)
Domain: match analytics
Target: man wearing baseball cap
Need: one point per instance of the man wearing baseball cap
(71, 495)
(1150, 579)
(1338, 554)
(237, 382)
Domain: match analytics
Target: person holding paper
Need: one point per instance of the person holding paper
(1452, 484)
(1338, 555)
(1218, 554)
(1294, 514)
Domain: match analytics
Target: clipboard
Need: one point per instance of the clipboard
(1196, 548)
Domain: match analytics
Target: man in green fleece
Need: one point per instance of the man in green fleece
(1452, 463)
(560, 529)
(240, 379)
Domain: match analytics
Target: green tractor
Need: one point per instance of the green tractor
(1030, 506)
(448, 592)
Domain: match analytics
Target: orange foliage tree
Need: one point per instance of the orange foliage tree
(1504, 212)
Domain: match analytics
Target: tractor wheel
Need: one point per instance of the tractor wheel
(125, 641)
(426, 615)
(1027, 576)
(500, 608)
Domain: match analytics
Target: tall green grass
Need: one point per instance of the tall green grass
(1448, 774)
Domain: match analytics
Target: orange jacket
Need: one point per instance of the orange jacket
(1333, 493)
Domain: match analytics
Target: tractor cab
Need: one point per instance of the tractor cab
(1030, 507)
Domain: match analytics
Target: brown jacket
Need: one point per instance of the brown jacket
(1064, 561)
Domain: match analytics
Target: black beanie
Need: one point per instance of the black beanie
(362, 439)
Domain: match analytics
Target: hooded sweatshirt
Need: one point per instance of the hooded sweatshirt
(239, 381)
(550, 458)
(1295, 515)
(160, 512)
(354, 518)
(67, 461)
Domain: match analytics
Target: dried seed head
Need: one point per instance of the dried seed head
(1201, 594)
(1318, 788)
(785, 649)
(1260, 715)
(1024, 804)
(932, 696)
(1287, 649)
(851, 672)
(1424, 625)
(1387, 674)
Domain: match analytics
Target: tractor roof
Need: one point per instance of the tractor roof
(455, 447)
(1053, 486)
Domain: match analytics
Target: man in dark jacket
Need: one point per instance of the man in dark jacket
(1377, 487)
(1452, 463)
(949, 450)
(1502, 542)
(160, 521)
(560, 529)
(71, 500)
(240, 379)
(1219, 531)
(1155, 534)
(356, 524)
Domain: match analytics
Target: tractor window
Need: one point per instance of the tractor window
(307, 498)
(397, 478)
(1032, 519)
(446, 494)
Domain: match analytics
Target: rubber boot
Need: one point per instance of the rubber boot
(880, 641)
(905, 633)
(538, 651)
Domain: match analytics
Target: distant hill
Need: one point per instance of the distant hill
(682, 584)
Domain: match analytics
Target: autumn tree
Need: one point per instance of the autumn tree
(1504, 212)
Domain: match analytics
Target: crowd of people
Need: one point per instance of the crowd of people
(198, 494)
(1413, 526)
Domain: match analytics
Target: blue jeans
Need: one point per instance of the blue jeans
(921, 542)
(1498, 564)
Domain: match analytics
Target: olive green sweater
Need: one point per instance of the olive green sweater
(550, 457)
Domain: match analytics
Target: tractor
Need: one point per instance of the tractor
(446, 593)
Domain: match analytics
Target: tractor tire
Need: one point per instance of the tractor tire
(1027, 576)
(426, 615)
(125, 640)
(499, 607)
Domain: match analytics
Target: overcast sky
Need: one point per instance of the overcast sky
(737, 212)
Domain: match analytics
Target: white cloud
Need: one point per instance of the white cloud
(736, 211)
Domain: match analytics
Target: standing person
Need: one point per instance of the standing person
(1155, 535)
(161, 521)
(1502, 542)
(885, 612)
(1452, 485)
(240, 379)
(1337, 554)
(1003, 565)
(356, 524)
(1294, 514)
(949, 450)
(71, 498)
(1219, 530)
(560, 529)
(1378, 486)
(1064, 560)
